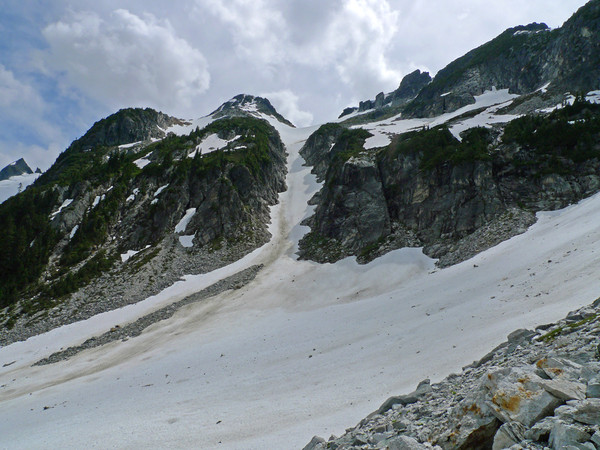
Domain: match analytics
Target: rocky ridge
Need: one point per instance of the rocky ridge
(248, 106)
(539, 389)
(409, 87)
(15, 168)
(523, 59)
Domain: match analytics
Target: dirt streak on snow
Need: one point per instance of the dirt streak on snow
(304, 349)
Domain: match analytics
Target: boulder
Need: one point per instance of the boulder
(593, 388)
(565, 390)
(559, 368)
(588, 411)
(509, 434)
(423, 388)
(564, 434)
(405, 443)
(315, 443)
(518, 395)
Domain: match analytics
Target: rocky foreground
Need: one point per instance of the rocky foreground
(538, 390)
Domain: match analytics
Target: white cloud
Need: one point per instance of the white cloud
(15, 93)
(257, 27)
(126, 60)
(286, 103)
(357, 42)
(348, 37)
(35, 155)
(24, 113)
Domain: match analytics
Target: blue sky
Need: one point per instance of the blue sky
(66, 64)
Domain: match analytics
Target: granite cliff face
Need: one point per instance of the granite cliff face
(429, 189)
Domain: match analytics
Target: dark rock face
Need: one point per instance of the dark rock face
(126, 126)
(106, 204)
(409, 87)
(354, 210)
(230, 200)
(394, 198)
(575, 53)
(18, 167)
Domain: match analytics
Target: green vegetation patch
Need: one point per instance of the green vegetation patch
(350, 143)
(437, 146)
(571, 132)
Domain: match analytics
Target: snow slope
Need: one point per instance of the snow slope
(10, 187)
(304, 349)
(491, 100)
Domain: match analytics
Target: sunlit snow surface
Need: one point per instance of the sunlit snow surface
(11, 187)
(304, 349)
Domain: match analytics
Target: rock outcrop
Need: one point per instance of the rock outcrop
(453, 198)
(248, 105)
(15, 168)
(521, 59)
(536, 390)
(409, 87)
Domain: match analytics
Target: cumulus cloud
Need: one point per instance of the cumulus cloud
(357, 40)
(286, 103)
(126, 60)
(14, 92)
(349, 37)
(258, 28)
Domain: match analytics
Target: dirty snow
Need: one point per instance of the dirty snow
(160, 189)
(212, 143)
(130, 253)
(133, 144)
(73, 231)
(142, 162)
(183, 223)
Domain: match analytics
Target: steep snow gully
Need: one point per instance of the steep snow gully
(304, 349)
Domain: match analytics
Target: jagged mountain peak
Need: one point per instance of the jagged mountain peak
(249, 105)
(409, 87)
(18, 167)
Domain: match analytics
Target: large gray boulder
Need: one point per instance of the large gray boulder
(517, 394)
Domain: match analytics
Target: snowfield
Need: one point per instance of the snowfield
(304, 349)
(11, 187)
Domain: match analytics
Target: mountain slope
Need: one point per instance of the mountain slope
(111, 213)
(522, 59)
(239, 344)
(454, 195)
(303, 349)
